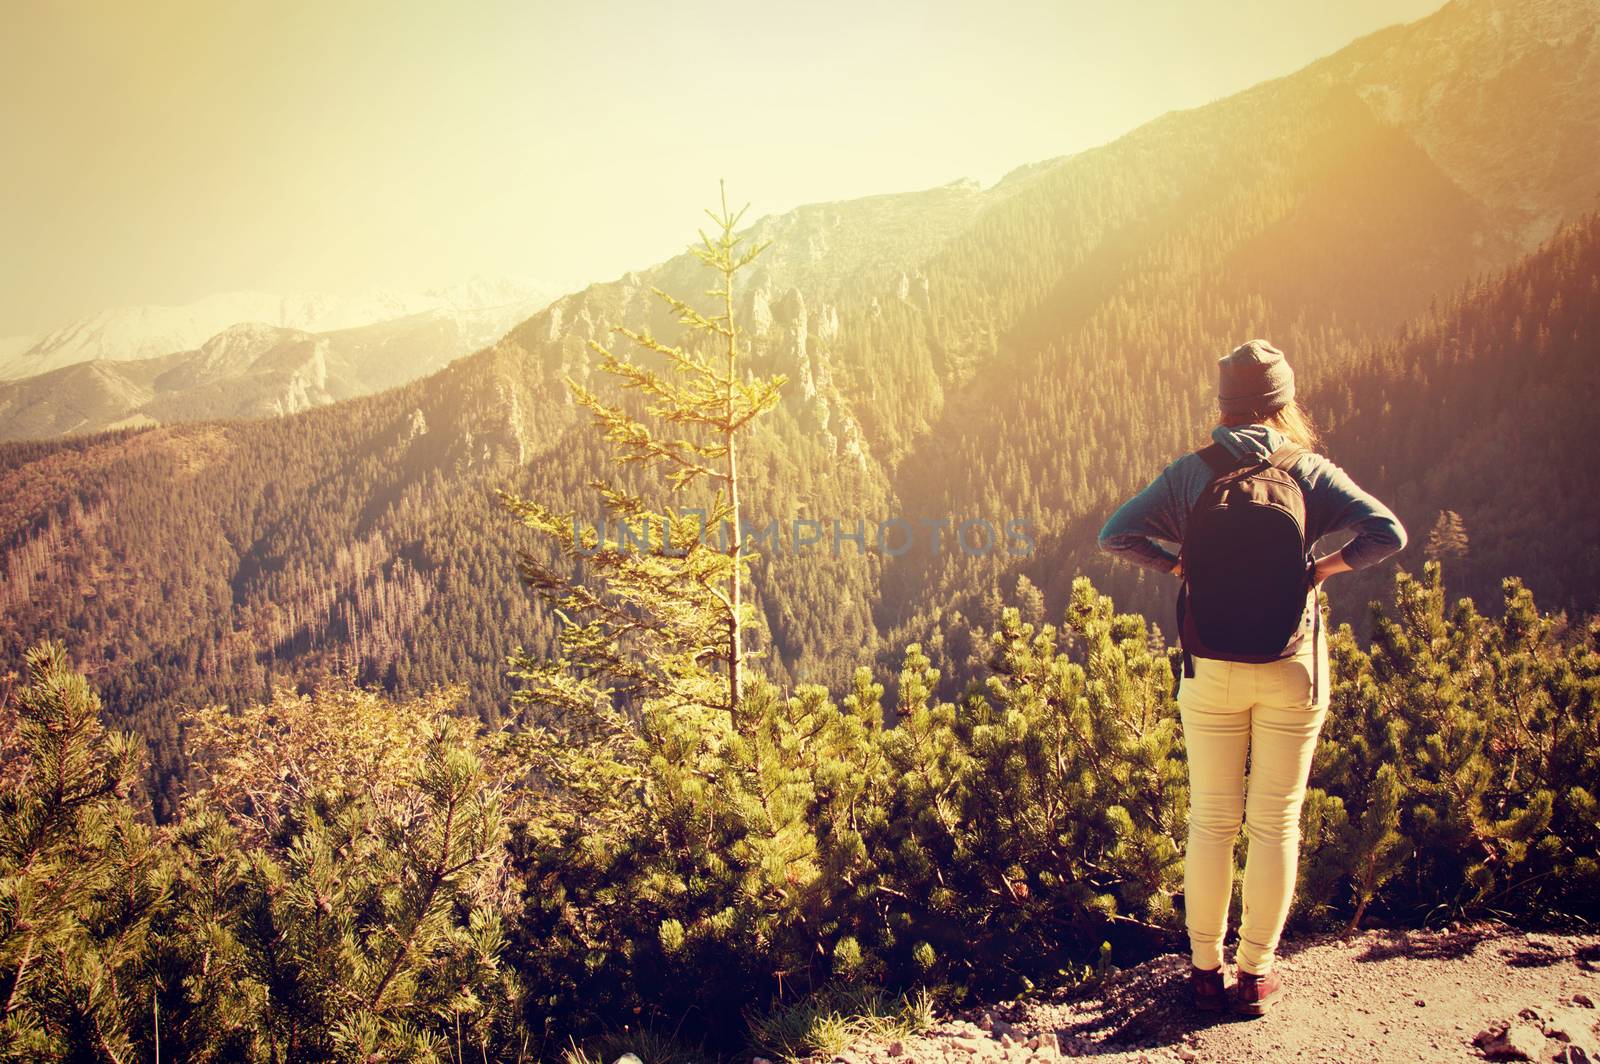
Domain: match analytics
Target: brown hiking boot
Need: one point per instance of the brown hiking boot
(1255, 994)
(1209, 992)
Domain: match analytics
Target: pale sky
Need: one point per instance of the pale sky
(157, 152)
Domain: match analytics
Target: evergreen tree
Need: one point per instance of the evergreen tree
(1350, 833)
(80, 877)
(1457, 768)
(1447, 538)
(680, 792)
(1030, 600)
(657, 613)
(343, 870)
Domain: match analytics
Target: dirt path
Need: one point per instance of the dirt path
(1377, 996)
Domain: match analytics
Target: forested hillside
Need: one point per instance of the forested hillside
(1035, 350)
(1475, 416)
(1321, 211)
(1486, 409)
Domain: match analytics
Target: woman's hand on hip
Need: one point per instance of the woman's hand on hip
(1328, 565)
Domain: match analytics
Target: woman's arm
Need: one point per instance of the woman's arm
(1154, 513)
(1341, 504)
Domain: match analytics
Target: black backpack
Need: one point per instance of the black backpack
(1247, 569)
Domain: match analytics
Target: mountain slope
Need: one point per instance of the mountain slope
(1037, 350)
(1295, 211)
(1485, 407)
(1466, 83)
(367, 531)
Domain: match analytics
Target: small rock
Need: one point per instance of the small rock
(970, 1045)
(896, 1049)
(1421, 1003)
(628, 1058)
(1518, 1041)
(1575, 1027)
(1185, 1053)
(1583, 1000)
(986, 1021)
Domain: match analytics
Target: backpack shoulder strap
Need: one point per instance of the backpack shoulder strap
(1219, 458)
(1286, 456)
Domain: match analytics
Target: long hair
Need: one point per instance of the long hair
(1289, 419)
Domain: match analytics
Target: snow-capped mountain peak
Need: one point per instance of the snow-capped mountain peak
(123, 334)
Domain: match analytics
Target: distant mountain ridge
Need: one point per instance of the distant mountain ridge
(126, 334)
(253, 366)
(247, 370)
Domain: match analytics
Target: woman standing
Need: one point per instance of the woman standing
(1274, 708)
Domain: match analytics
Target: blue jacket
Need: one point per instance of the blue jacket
(1333, 504)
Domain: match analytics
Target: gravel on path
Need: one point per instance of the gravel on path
(1470, 992)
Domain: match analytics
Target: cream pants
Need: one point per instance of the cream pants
(1229, 708)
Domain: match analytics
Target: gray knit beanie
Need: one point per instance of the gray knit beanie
(1254, 378)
